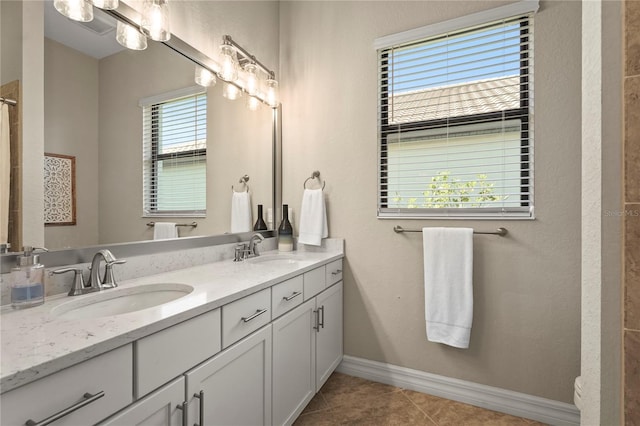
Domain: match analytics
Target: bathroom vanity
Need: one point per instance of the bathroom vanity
(246, 343)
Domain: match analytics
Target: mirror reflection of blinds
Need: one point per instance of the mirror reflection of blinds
(455, 123)
(175, 149)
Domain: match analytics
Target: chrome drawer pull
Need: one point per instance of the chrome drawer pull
(257, 314)
(200, 396)
(88, 399)
(321, 323)
(336, 272)
(294, 295)
(185, 413)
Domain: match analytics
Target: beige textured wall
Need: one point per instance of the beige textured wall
(526, 329)
(71, 128)
(10, 41)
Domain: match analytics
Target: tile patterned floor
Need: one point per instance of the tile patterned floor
(348, 400)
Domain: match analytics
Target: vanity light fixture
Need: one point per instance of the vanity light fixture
(204, 77)
(229, 70)
(272, 91)
(231, 91)
(78, 10)
(106, 4)
(252, 79)
(130, 37)
(155, 20)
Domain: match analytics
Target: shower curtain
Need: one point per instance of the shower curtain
(5, 172)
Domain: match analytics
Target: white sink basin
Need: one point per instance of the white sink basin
(120, 300)
(276, 259)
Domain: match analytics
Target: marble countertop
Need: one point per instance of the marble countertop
(36, 342)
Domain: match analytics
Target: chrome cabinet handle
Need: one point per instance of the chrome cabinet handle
(294, 295)
(254, 316)
(183, 407)
(200, 396)
(87, 399)
(336, 272)
(317, 314)
(321, 323)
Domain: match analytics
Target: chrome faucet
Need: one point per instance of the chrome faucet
(253, 244)
(108, 280)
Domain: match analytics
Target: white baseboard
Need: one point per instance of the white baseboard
(505, 401)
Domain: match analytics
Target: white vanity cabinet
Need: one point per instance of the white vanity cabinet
(307, 347)
(95, 388)
(163, 407)
(234, 387)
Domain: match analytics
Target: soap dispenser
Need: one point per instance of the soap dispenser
(27, 280)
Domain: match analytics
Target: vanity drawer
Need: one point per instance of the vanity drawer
(314, 282)
(244, 316)
(286, 295)
(168, 353)
(334, 272)
(110, 373)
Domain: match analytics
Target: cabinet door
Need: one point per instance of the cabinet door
(294, 353)
(157, 409)
(235, 384)
(329, 334)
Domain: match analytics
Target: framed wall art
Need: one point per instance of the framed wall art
(59, 189)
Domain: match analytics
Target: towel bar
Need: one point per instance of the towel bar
(192, 224)
(244, 179)
(500, 231)
(314, 175)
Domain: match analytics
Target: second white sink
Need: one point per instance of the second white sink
(121, 300)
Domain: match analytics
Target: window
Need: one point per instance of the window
(175, 153)
(455, 119)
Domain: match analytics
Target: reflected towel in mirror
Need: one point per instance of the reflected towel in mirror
(165, 230)
(241, 212)
(313, 218)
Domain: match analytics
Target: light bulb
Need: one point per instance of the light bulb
(78, 10)
(229, 69)
(130, 37)
(253, 103)
(155, 20)
(106, 4)
(204, 77)
(231, 92)
(272, 92)
(252, 79)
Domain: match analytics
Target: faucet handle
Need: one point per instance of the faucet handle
(109, 277)
(78, 286)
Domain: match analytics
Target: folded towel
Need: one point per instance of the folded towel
(313, 218)
(241, 212)
(448, 284)
(164, 230)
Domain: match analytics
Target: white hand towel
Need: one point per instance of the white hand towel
(165, 230)
(313, 218)
(241, 212)
(448, 284)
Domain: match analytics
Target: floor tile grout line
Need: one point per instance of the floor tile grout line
(418, 407)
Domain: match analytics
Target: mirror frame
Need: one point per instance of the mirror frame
(84, 254)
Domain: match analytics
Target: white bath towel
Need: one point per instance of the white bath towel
(313, 218)
(241, 212)
(165, 230)
(5, 168)
(448, 286)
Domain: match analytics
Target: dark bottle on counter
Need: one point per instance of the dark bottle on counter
(260, 224)
(285, 231)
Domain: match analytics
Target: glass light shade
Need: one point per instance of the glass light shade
(252, 79)
(130, 37)
(106, 4)
(231, 92)
(272, 92)
(204, 77)
(253, 103)
(229, 69)
(155, 20)
(78, 10)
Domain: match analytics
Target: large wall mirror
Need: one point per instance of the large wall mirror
(92, 112)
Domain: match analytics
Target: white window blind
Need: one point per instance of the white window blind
(455, 123)
(174, 153)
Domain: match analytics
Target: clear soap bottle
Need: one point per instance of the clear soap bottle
(27, 280)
